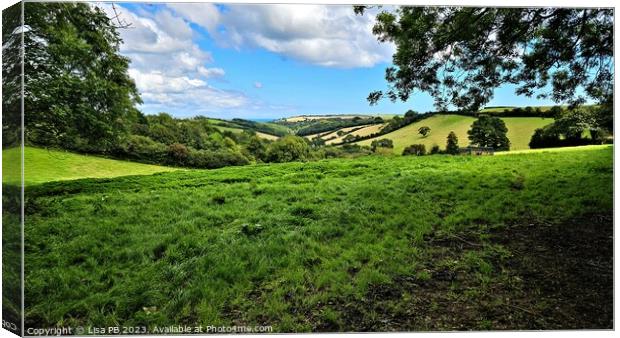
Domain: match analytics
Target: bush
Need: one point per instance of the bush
(435, 150)
(549, 137)
(415, 149)
(424, 130)
(287, 149)
(143, 148)
(382, 143)
(178, 153)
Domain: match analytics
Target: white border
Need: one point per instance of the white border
(489, 3)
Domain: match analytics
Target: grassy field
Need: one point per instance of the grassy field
(322, 117)
(371, 244)
(520, 130)
(375, 128)
(43, 165)
(332, 136)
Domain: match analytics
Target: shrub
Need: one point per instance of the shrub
(288, 148)
(382, 143)
(142, 148)
(415, 149)
(179, 154)
(435, 149)
(424, 130)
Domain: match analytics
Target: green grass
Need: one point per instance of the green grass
(297, 245)
(520, 130)
(43, 165)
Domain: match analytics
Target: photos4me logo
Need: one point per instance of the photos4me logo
(9, 325)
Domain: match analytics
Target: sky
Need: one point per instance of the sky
(261, 61)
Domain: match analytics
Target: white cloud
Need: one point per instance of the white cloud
(325, 35)
(206, 15)
(211, 72)
(169, 69)
(258, 85)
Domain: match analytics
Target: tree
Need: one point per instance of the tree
(288, 148)
(11, 76)
(415, 149)
(569, 129)
(382, 143)
(78, 93)
(459, 55)
(257, 147)
(424, 130)
(452, 144)
(489, 131)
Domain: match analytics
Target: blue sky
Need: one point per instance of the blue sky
(262, 61)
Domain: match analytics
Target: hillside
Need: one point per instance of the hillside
(260, 128)
(371, 244)
(520, 130)
(44, 165)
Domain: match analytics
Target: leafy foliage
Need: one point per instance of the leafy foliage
(424, 130)
(571, 128)
(489, 131)
(415, 149)
(287, 149)
(452, 144)
(11, 76)
(459, 55)
(381, 143)
(78, 94)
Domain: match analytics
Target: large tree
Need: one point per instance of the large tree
(489, 131)
(459, 55)
(77, 92)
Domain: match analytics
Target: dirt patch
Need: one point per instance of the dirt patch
(569, 268)
(524, 277)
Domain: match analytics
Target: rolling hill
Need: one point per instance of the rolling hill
(520, 130)
(43, 165)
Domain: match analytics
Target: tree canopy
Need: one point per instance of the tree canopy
(459, 55)
(489, 131)
(452, 144)
(77, 91)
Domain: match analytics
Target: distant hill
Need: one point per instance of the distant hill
(267, 130)
(520, 130)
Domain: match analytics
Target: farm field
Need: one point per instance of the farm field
(375, 128)
(375, 243)
(520, 130)
(43, 165)
(332, 137)
(321, 117)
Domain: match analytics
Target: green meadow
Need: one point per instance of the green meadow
(368, 244)
(520, 131)
(45, 165)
